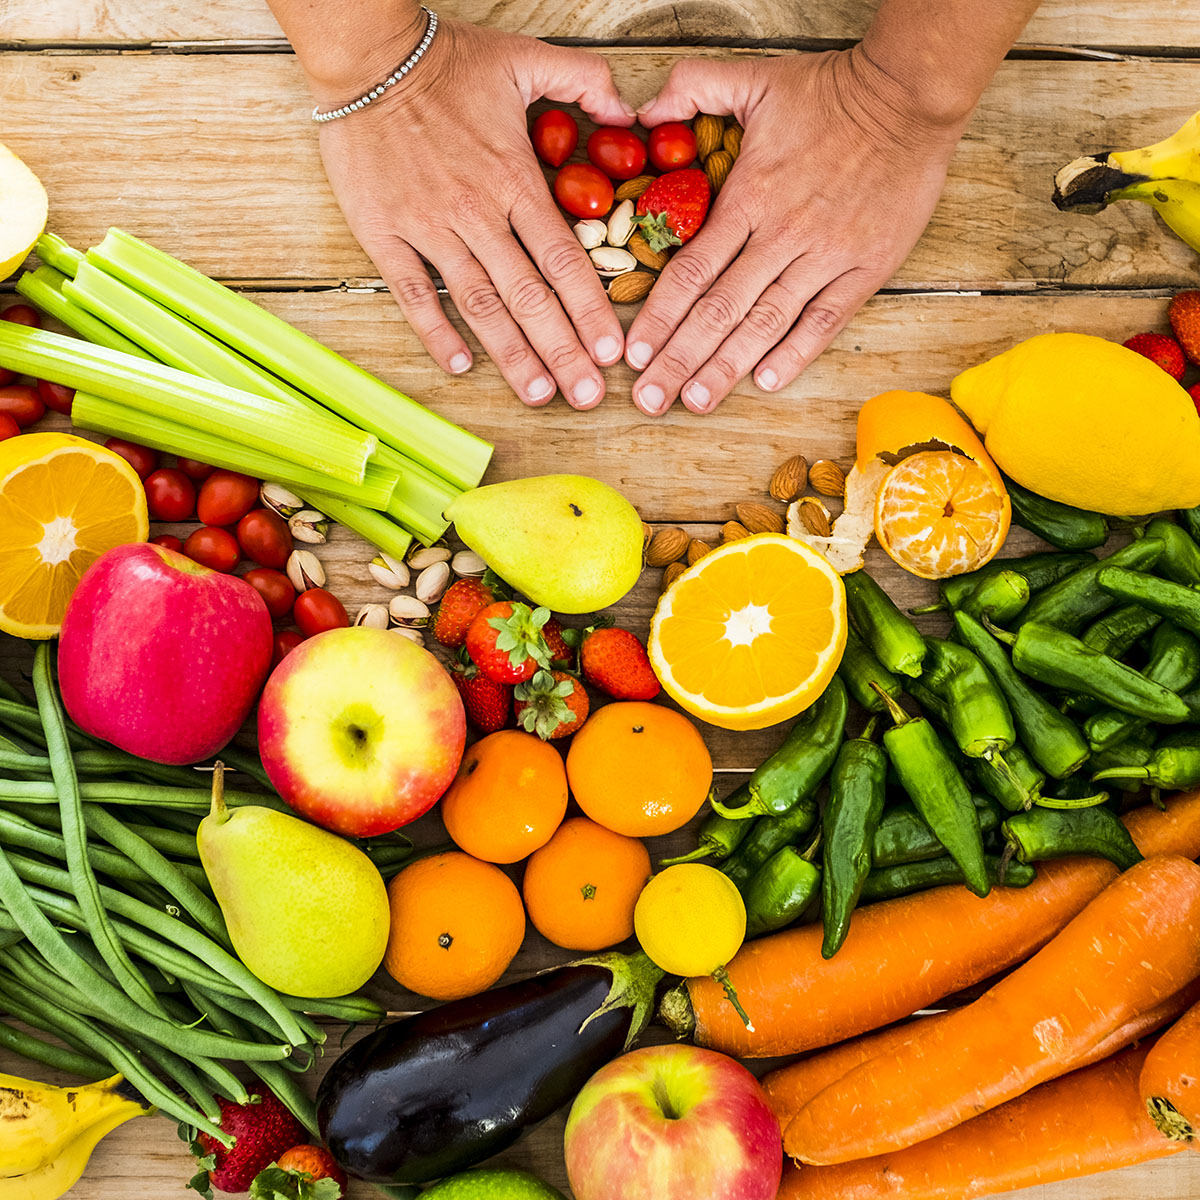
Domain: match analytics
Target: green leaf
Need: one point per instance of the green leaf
(274, 1183)
(201, 1183)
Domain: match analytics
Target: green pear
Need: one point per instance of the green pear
(307, 912)
(569, 543)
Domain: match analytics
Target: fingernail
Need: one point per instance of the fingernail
(698, 397)
(638, 355)
(645, 108)
(460, 363)
(652, 399)
(585, 393)
(540, 389)
(767, 380)
(630, 111)
(608, 349)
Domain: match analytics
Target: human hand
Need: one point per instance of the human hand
(443, 168)
(836, 179)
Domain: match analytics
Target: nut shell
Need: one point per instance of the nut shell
(667, 546)
(611, 261)
(758, 518)
(790, 479)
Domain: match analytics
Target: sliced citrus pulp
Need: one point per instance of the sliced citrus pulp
(751, 634)
(63, 502)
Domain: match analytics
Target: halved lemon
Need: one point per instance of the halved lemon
(63, 502)
(751, 634)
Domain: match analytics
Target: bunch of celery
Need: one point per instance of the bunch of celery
(179, 362)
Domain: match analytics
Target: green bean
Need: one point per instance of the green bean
(10, 937)
(10, 693)
(167, 841)
(155, 976)
(84, 885)
(27, 836)
(354, 1010)
(197, 800)
(180, 1072)
(46, 1018)
(247, 1011)
(56, 1057)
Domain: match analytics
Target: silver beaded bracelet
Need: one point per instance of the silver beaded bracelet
(394, 78)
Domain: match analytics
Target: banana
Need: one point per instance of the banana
(39, 1121)
(1165, 175)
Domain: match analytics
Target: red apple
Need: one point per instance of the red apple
(360, 730)
(673, 1121)
(161, 656)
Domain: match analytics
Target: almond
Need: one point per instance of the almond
(814, 516)
(631, 189)
(789, 479)
(630, 288)
(732, 141)
(672, 573)
(708, 130)
(733, 531)
(666, 546)
(640, 249)
(758, 518)
(696, 551)
(827, 478)
(717, 167)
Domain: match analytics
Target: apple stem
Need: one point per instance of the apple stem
(722, 977)
(219, 811)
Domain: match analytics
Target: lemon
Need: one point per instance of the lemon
(690, 919)
(23, 209)
(1086, 422)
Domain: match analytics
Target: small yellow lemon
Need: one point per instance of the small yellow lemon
(1086, 422)
(690, 919)
(23, 208)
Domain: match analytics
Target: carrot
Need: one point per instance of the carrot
(1170, 1080)
(1091, 1120)
(1134, 946)
(903, 955)
(788, 1089)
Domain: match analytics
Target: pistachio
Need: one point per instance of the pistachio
(611, 261)
(420, 557)
(409, 611)
(389, 571)
(413, 635)
(591, 234)
(620, 224)
(304, 570)
(432, 582)
(373, 616)
(278, 499)
(309, 526)
(468, 564)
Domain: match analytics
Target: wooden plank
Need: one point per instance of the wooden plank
(164, 146)
(104, 22)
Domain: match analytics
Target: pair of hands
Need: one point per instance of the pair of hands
(837, 177)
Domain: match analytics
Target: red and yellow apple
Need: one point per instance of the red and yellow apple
(673, 1121)
(161, 656)
(360, 730)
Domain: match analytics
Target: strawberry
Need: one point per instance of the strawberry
(552, 704)
(487, 702)
(506, 643)
(459, 607)
(561, 653)
(615, 661)
(673, 207)
(1194, 392)
(264, 1129)
(1185, 321)
(1161, 349)
(301, 1173)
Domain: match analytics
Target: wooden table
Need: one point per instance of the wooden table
(186, 123)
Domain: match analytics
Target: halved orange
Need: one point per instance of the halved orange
(63, 502)
(751, 634)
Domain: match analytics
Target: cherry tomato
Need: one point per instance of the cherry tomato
(213, 547)
(583, 190)
(265, 538)
(141, 458)
(226, 497)
(170, 495)
(169, 540)
(22, 402)
(55, 396)
(275, 588)
(672, 145)
(286, 640)
(194, 469)
(317, 610)
(619, 153)
(8, 427)
(22, 314)
(555, 136)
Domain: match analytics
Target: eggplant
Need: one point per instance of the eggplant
(442, 1090)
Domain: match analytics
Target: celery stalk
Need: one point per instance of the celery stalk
(394, 418)
(43, 288)
(421, 498)
(385, 535)
(308, 440)
(110, 417)
(56, 253)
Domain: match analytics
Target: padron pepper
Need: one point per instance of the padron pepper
(979, 717)
(1045, 833)
(1120, 629)
(1180, 561)
(1189, 518)
(890, 882)
(1018, 787)
(1038, 570)
(903, 837)
(1175, 764)
(767, 836)
(719, 836)
(782, 888)
(1135, 751)
(859, 669)
(1059, 524)
(1000, 597)
(1175, 601)
(892, 637)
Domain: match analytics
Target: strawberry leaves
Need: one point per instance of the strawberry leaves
(274, 1183)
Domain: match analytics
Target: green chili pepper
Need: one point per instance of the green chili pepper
(1000, 597)
(903, 837)
(791, 776)
(767, 836)
(1120, 629)
(1135, 751)
(1181, 555)
(978, 714)
(1016, 788)
(936, 786)
(1059, 524)
(1049, 833)
(1052, 738)
(929, 701)
(1189, 518)
(1075, 792)
(1174, 662)
(1192, 700)
(1174, 601)
(859, 669)
(1055, 658)
(782, 888)
(1038, 570)
(1075, 601)
(889, 882)
(857, 788)
(893, 638)
(1175, 764)
(719, 836)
